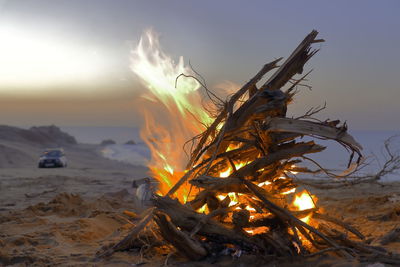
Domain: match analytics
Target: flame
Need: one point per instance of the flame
(290, 191)
(291, 171)
(177, 115)
(304, 201)
(203, 209)
(232, 196)
(256, 230)
(264, 183)
(229, 171)
(234, 199)
(226, 173)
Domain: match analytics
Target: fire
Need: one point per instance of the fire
(264, 183)
(256, 230)
(290, 191)
(228, 172)
(176, 115)
(233, 197)
(304, 201)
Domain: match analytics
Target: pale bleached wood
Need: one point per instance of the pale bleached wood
(312, 128)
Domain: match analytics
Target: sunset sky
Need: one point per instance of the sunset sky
(66, 62)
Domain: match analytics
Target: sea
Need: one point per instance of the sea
(334, 158)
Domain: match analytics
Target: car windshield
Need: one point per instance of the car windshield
(54, 153)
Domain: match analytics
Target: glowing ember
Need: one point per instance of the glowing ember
(232, 196)
(264, 183)
(256, 230)
(234, 199)
(290, 191)
(203, 209)
(293, 172)
(228, 172)
(304, 201)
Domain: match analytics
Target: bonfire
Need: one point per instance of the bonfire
(236, 190)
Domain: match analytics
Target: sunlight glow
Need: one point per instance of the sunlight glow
(32, 60)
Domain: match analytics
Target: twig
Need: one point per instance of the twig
(126, 242)
(201, 83)
(312, 111)
(340, 223)
(323, 251)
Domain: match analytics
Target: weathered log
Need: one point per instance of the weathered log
(294, 63)
(312, 128)
(212, 202)
(240, 218)
(189, 247)
(295, 151)
(187, 219)
(222, 185)
(222, 211)
(281, 137)
(272, 103)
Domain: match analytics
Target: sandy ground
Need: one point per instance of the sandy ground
(63, 217)
(59, 215)
(88, 174)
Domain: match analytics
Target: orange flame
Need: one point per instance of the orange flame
(229, 170)
(238, 165)
(304, 201)
(177, 112)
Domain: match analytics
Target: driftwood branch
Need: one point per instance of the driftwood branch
(314, 129)
(127, 241)
(186, 245)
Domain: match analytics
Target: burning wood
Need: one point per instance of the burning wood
(239, 180)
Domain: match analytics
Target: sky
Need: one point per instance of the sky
(66, 62)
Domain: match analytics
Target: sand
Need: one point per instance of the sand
(64, 216)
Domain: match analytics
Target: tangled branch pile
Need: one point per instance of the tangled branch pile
(240, 178)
